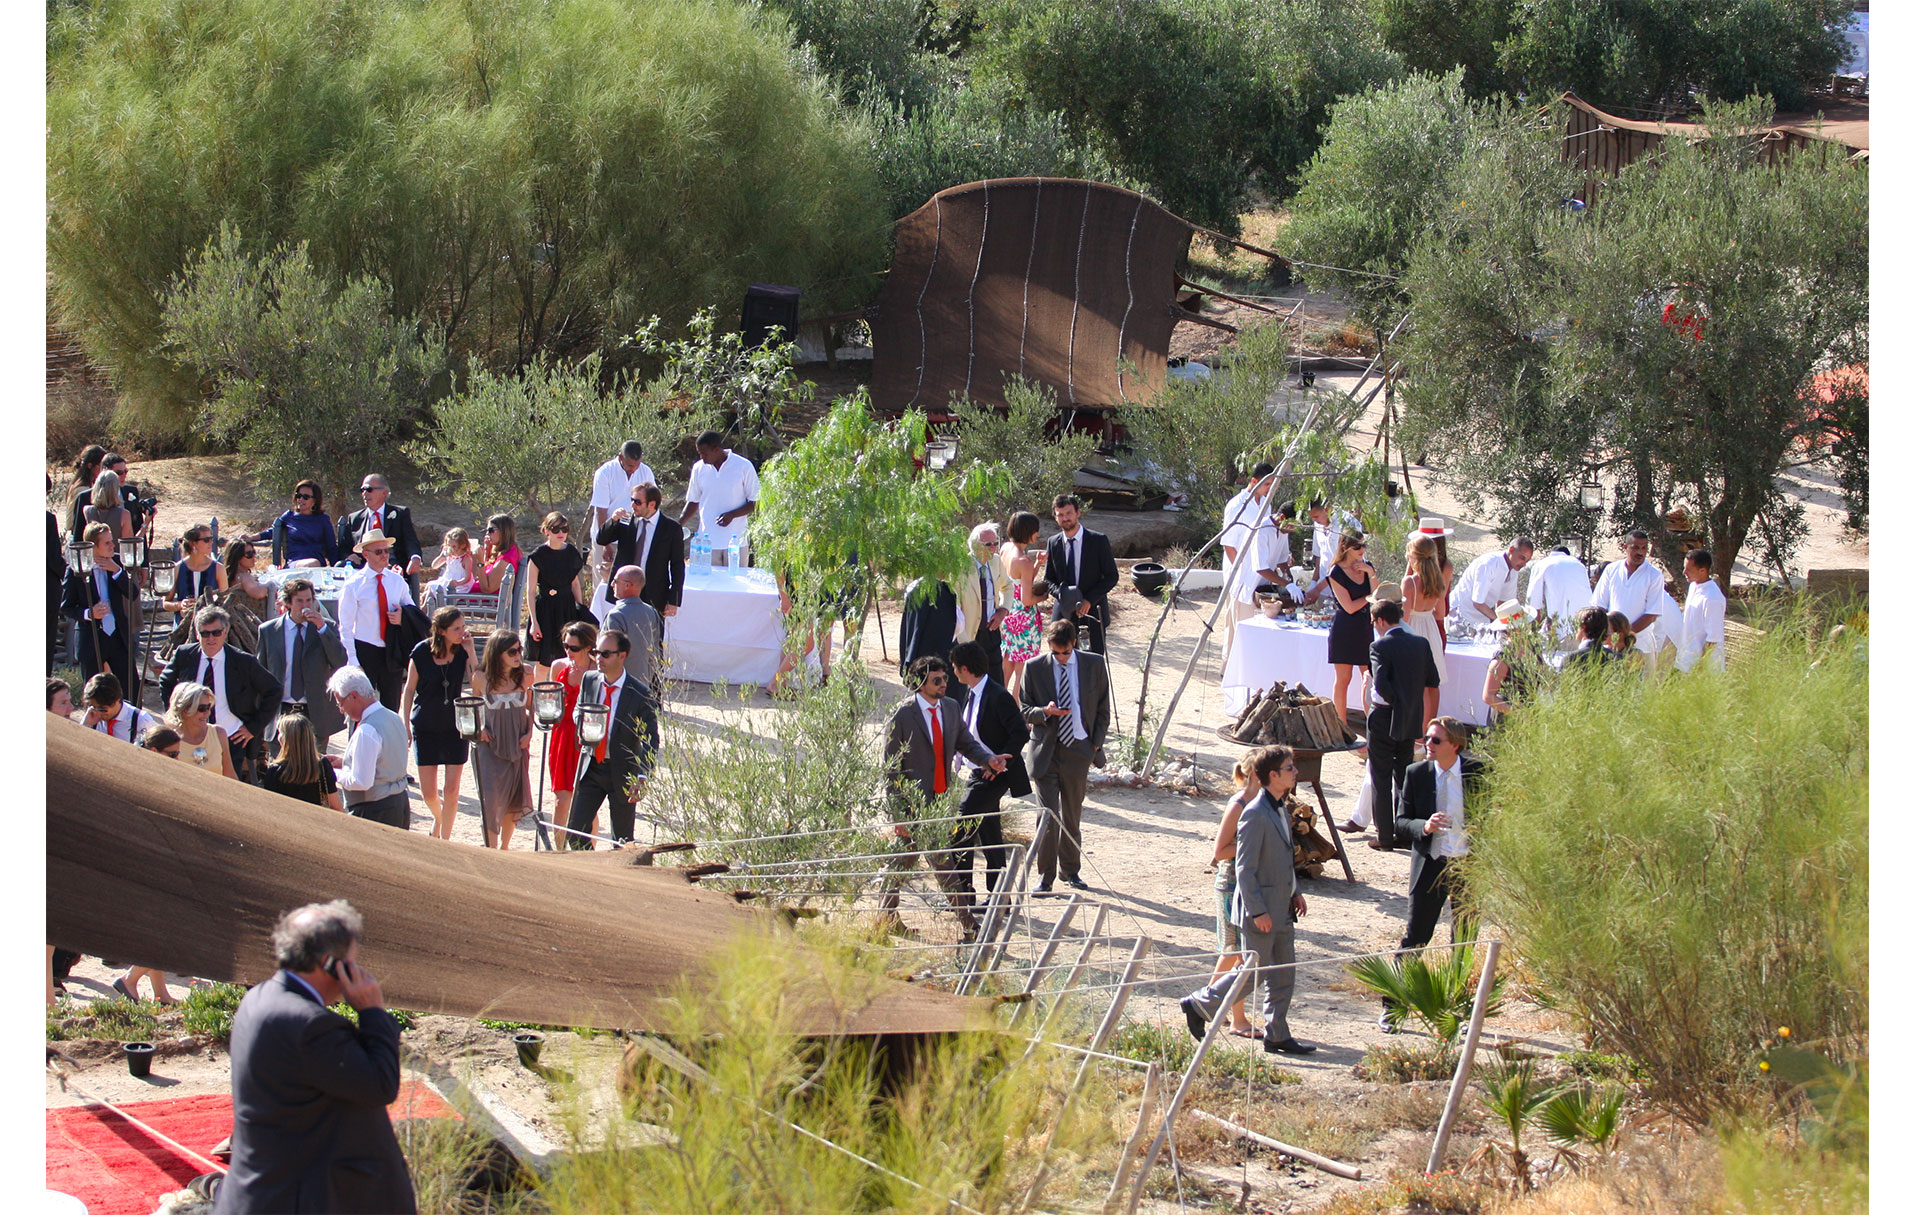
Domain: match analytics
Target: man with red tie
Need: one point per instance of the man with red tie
(369, 606)
(925, 736)
(614, 773)
(390, 521)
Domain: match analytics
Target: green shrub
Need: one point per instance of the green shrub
(1040, 465)
(870, 48)
(208, 1010)
(1438, 989)
(1171, 1047)
(1683, 864)
(113, 1020)
(1402, 1062)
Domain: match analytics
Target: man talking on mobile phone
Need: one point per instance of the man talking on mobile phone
(310, 1130)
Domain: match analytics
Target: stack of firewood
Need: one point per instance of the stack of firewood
(1293, 717)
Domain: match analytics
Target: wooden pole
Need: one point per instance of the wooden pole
(1145, 1111)
(1231, 997)
(1044, 956)
(1464, 1059)
(995, 917)
(1070, 978)
(1335, 1167)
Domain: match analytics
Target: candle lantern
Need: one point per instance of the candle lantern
(548, 703)
(80, 557)
(1590, 493)
(165, 577)
(133, 551)
(593, 720)
(465, 715)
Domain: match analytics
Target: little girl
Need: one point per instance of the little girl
(455, 559)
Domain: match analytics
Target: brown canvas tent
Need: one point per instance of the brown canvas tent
(1601, 144)
(157, 862)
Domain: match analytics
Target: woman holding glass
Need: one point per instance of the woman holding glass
(1351, 584)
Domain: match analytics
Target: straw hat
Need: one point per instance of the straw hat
(1511, 612)
(1388, 592)
(374, 536)
(1432, 526)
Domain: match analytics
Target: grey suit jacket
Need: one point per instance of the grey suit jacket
(909, 758)
(310, 1131)
(639, 621)
(325, 653)
(1266, 864)
(1040, 688)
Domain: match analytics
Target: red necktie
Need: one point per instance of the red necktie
(600, 753)
(379, 581)
(938, 747)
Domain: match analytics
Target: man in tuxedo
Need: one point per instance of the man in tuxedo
(1066, 700)
(301, 649)
(925, 733)
(245, 697)
(615, 773)
(310, 1089)
(984, 597)
(1436, 792)
(655, 543)
(637, 619)
(1403, 696)
(992, 715)
(390, 521)
(1080, 558)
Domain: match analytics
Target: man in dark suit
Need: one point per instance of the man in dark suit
(310, 1091)
(925, 733)
(1066, 699)
(393, 522)
(1080, 558)
(929, 624)
(615, 773)
(655, 543)
(1403, 696)
(1437, 792)
(245, 696)
(992, 715)
(301, 649)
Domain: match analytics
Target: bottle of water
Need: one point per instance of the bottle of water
(702, 551)
(732, 551)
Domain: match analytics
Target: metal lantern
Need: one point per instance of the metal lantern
(80, 557)
(940, 452)
(133, 551)
(465, 715)
(165, 576)
(593, 720)
(548, 703)
(1590, 493)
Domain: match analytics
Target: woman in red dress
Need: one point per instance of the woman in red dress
(578, 638)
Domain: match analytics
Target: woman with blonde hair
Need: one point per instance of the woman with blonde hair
(1223, 853)
(105, 505)
(296, 769)
(1352, 583)
(1424, 593)
(435, 677)
(202, 743)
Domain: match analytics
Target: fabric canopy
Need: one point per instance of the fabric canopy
(1051, 279)
(158, 862)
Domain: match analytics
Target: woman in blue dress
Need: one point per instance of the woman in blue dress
(304, 535)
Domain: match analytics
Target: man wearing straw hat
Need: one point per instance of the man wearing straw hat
(369, 617)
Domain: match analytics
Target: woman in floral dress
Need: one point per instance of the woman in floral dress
(1023, 628)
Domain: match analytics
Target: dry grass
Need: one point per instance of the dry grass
(1339, 1126)
(1261, 227)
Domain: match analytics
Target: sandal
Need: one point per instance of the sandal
(1249, 1031)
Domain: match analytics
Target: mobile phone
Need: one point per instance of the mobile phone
(330, 965)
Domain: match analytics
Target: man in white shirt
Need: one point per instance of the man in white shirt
(110, 713)
(1240, 513)
(369, 606)
(723, 492)
(1488, 581)
(1264, 564)
(1436, 791)
(612, 487)
(1324, 534)
(1559, 588)
(1634, 587)
(1703, 606)
(372, 773)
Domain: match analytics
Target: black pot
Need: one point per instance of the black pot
(529, 1044)
(139, 1057)
(1150, 578)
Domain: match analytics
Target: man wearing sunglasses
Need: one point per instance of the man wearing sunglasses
(245, 694)
(1436, 792)
(640, 535)
(378, 515)
(615, 770)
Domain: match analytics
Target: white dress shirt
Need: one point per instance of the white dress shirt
(128, 724)
(974, 700)
(359, 606)
(1324, 546)
(1489, 579)
(1450, 801)
(1077, 729)
(223, 715)
(359, 771)
(719, 490)
(1703, 607)
(1560, 586)
(612, 486)
(1635, 595)
(312, 638)
(1265, 551)
(1238, 513)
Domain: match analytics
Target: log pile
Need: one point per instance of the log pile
(1292, 716)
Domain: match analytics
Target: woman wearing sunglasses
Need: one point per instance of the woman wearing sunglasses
(202, 744)
(304, 535)
(197, 573)
(576, 640)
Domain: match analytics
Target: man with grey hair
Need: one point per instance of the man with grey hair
(310, 1091)
(245, 695)
(639, 621)
(984, 598)
(372, 773)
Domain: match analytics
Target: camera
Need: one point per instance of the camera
(140, 506)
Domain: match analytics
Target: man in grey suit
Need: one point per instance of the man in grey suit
(925, 734)
(310, 1091)
(1265, 909)
(301, 649)
(639, 621)
(1066, 700)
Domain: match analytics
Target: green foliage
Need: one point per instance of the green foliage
(1512, 1096)
(530, 176)
(1684, 949)
(1769, 1171)
(1595, 1065)
(871, 48)
(845, 506)
(112, 1020)
(307, 379)
(1434, 36)
(1541, 342)
(455, 1173)
(714, 373)
(208, 1010)
(1403, 1062)
(1436, 988)
(1039, 464)
(1172, 1048)
(402, 1016)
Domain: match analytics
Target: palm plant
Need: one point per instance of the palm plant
(1513, 1098)
(1578, 1117)
(1436, 988)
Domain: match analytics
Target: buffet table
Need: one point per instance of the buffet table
(729, 627)
(1269, 650)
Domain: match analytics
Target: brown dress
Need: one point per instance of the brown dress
(505, 781)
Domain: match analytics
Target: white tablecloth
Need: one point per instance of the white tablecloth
(728, 628)
(1267, 651)
(327, 580)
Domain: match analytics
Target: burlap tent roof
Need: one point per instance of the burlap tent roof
(1601, 143)
(157, 862)
(1047, 278)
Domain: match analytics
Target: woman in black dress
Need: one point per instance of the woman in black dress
(1351, 583)
(435, 677)
(554, 591)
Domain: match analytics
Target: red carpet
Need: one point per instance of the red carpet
(118, 1169)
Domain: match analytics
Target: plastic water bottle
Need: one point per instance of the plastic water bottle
(702, 551)
(732, 550)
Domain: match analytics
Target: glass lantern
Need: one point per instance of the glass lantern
(465, 715)
(548, 703)
(593, 720)
(165, 577)
(1590, 493)
(80, 557)
(132, 551)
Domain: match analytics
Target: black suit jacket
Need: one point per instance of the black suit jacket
(1002, 728)
(1420, 802)
(325, 653)
(78, 594)
(399, 531)
(1401, 667)
(251, 691)
(1097, 569)
(927, 627)
(310, 1131)
(664, 565)
(633, 736)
